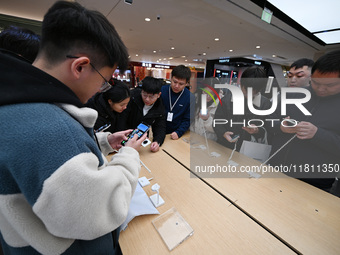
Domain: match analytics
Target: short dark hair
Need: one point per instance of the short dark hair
(21, 41)
(328, 63)
(302, 62)
(254, 77)
(70, 29)
(118, 92)
(181, 72)
(151, 85)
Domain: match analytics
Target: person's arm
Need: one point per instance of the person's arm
(186, 120)
(159, 129)
(78, 194)
(325, 139)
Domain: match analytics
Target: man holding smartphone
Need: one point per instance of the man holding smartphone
(313, 152)
(58, 193)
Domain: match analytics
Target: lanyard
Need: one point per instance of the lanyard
(172, 106)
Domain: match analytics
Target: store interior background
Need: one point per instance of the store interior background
(213, 37)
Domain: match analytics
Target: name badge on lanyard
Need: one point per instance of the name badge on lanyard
(170, 115)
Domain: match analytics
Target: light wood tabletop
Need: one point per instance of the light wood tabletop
(219, 227)
(304, 217)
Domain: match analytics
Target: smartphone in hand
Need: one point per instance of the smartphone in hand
(141, 129)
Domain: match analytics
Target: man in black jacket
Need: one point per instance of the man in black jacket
(253, 77)
(146, 106)
(313, 155)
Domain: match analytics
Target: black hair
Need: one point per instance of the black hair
(181, 72)
(21, 41)
(328, 63)
(70, 29)
(151, 85)
(254, 77)
(118, 92)
(302, 62)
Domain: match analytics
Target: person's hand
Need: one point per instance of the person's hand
(252, 129)
(227, 135)
(134, 143)
(174, 136)
(305, 130)
(288, 129)
(154, 147)
(204, 117)
(116, 138)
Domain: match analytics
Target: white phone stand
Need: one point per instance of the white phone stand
(143, 181)
(156, 199)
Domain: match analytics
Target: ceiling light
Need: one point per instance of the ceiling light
(204, 53)
(258, 47)
(136, 55)
(154, 51)
(172, 48)
(147, 19)
(217, 39)
(274, 56)
(183, 56)
(231, 50)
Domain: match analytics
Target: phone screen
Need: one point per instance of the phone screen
(139, 131)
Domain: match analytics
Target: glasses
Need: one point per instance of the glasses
(106, 85)
(146, 95)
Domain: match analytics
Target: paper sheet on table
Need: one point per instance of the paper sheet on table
(140, 204)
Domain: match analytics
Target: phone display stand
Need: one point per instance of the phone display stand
(172, 228)
(156, 199)
(143, 181)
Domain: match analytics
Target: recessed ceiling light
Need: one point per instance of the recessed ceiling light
(274, 56)
(258, 46)
(183, 56)
(154, 51)
(172, 48)
(231, 50)
(147, 19)
(186, 60)
(204, 53)
(217, 39)
(171, 58)
(136, 55)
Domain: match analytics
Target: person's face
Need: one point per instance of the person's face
(149, 99)
(325, 84)
(177, 85)
(299, 77)
(87, 79)
(119, 107)
(98, 81)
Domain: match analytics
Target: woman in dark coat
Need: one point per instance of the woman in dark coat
(110, 105)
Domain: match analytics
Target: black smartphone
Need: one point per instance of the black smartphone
(291, 122)
(141, 129)
(103, 128)
(234, 137)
